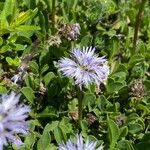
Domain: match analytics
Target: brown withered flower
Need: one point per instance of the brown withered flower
(137, 89)
(54, 40)
(42, 89)
(74, 115)
(120, 120)
(25, 59)
(70, 31)
(90, 118)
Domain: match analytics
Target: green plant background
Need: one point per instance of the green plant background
(26, 31)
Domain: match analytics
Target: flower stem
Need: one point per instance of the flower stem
(80, 107)
(137, 23)
(53, 14)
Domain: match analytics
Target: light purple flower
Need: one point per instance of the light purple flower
(12, 119)
(78, 144)
(85, 67)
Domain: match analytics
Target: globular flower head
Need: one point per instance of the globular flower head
(12, 119)
(85, 67)
(79, 144)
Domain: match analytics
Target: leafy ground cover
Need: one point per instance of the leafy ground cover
(82, 67)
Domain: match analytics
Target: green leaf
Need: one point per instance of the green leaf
(119, 76)
(114, 49)
(125, 145)
(2, 89)
(132, 118)
(123, 132)
(30, 140)
(135, 59)
(46, 115)
(58, 134)
(19, 47)
(29, 80)
(89, 98)
(34, 67)
(45, 139)
(141, 121)
(48, 77)
(72, 105)
(144, 108)
(34, 123)
(13, 62)
(44, 69)
(23, 17)
(147, 85)
(28, 93)
(86, 40)
(8, 11)
(135, 128)
(52, 126)
(145, 143)
(114, 86)
(13, 37)
(113, 133)
(84, 126)
(50, 147)
(48, 4)
(42, 23)
(102, 102)
(27, 28)
(9, 7)
(4, 49)
(1, 41)
(65, 126)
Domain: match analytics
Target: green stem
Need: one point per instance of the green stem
(137, 24)
(80, 107)
(74, 9)
(53, 14)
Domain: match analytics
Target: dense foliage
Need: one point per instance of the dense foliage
(36, 34)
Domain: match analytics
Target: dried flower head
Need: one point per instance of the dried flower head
(54, 40)
(137, 89)
(22, 70)
(90, 118)
(74, 115)
(12, 119)
(42, 89)
(85, 67)
(70, 31)
(78, 144)
(120, 120)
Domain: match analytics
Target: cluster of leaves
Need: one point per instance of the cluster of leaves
(118, 114)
